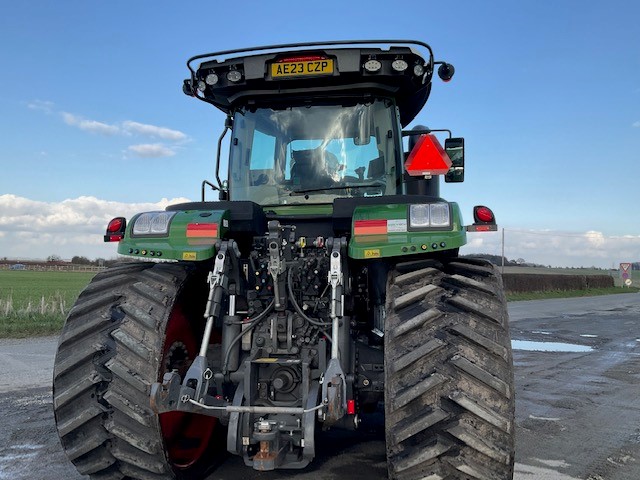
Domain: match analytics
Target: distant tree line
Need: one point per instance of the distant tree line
(497, 260)
(98, 262)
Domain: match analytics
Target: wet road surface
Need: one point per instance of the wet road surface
(577, 413)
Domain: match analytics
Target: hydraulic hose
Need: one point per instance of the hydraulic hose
(252, 324)
(297, 307)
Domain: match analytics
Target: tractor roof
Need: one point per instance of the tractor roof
(272, 75)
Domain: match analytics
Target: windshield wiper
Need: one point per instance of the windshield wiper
(341, 187)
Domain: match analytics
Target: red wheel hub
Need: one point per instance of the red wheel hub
(186, 435)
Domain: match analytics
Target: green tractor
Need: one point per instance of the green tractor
(323, 286)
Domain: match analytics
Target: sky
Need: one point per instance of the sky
(94, 124)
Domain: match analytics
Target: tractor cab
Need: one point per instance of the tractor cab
(313, 125)
(315, 153)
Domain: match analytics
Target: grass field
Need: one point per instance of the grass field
(36, 303)
(592, 292)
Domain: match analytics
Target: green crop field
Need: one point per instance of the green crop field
(36, 303)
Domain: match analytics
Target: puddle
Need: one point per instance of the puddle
(549, 346)
(546, 419)
(553, 463)
(539, 473)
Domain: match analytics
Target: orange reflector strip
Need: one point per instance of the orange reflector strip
(200, 230)
(370, 227)
(482, 228)
(427, 158)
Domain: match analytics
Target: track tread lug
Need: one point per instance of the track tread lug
(482, 341)
(410, 358)
(135, 411)
(467, 436)
(417, 425)
(481, 375)
(413, 297)
(95, 462)
(135, 345)
(408, 395)
(416, 322)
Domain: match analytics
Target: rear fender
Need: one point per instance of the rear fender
(379, 231)
(191, 236)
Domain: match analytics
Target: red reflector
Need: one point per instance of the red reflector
(115, 225)
(202, 230)
(370, 227)
(482, 228)
(427, 158)
(484, 214)
(307, 58)
(351, 407)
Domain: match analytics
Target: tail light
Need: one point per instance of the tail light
(483, 220)
(483, 215)
(115, 229)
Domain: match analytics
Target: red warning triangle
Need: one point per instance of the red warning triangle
(427, 158)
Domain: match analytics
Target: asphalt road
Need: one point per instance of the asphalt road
(577, 413)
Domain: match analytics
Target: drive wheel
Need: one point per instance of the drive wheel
(449, 393)
(132, 324)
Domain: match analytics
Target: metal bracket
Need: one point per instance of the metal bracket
(334, 388)
(277, 264)
(199, 375)
(336, 280)
(334, 392)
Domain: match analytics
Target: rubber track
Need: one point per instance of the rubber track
(108, 356)
(449, 396)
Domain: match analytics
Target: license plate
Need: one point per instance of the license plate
(302, 68)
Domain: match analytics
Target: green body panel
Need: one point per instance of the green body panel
(400, 239)
(177, 245)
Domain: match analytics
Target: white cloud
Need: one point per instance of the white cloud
(126, 127)
(561, 249)
(595, 239)
(153, 131)
(92, 126)
(34, 229)
(41, 105)
(152, 150)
